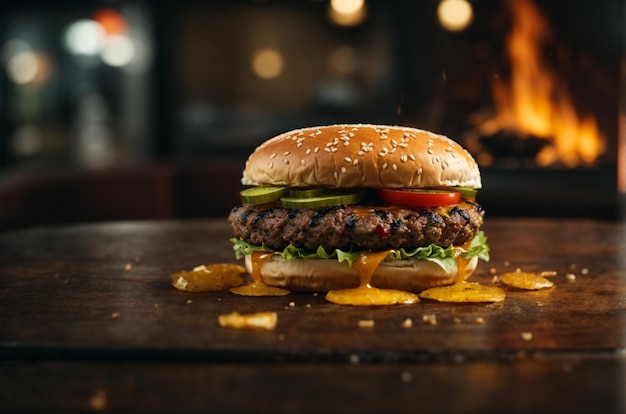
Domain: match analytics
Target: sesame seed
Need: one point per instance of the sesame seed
(286, 153)
(303, 162)
(273, 155)
(336, 175)
(308, 151)
(420, 170)
(361, 153)
(286, 160)
(412, 157)
(403, 158)
(348, 159)
(394, 167)
(384, 166)
(316, 149)
(270, 165)
(429, 150)
(327, 149)
(343, 170)
(355, 162)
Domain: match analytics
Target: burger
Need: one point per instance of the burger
(320, 199)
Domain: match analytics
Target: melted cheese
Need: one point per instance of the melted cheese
(366, 294)
(257, 287)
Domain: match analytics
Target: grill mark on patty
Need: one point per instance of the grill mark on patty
(319, 215)
(461, 212)
(395, 224)
(244, 215)
(260, 215)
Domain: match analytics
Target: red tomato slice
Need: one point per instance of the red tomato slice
(419, 198)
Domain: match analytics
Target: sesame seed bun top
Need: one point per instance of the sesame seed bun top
(356, 155)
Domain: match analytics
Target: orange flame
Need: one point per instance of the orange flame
(535, 103)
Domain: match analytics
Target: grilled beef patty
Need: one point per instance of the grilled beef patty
(357, 227)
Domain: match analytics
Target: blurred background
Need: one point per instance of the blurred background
(135, 109)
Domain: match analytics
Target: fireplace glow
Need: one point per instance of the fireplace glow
(536, 103)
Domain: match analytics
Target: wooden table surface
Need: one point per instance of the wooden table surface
(89, 321)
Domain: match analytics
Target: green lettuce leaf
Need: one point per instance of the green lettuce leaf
(444, 257)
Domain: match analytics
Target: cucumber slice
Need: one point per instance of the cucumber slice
(335, 198)
(306, 192)
(260, 195)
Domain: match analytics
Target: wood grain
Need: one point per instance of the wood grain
(74, 297)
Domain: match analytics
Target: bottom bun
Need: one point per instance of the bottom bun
(322, 275)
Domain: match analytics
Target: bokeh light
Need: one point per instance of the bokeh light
(455, 15)
(267, 63)
(84, 37)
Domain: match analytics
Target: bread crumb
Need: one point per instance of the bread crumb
(115, 315)
(128, 267)
(407, 323)
(479, 320)
(292, 304)
(584, 271)
(258, 320)
(570, 276)
(189, 301)
(456, 319)
(527, 336)
(430, 319)
(98, 400)
(366, 323)
(492, 271)
(406, 377)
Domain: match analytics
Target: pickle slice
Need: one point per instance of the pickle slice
(334, 198)
(306, 192)
(260, 195)
(466, 192)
